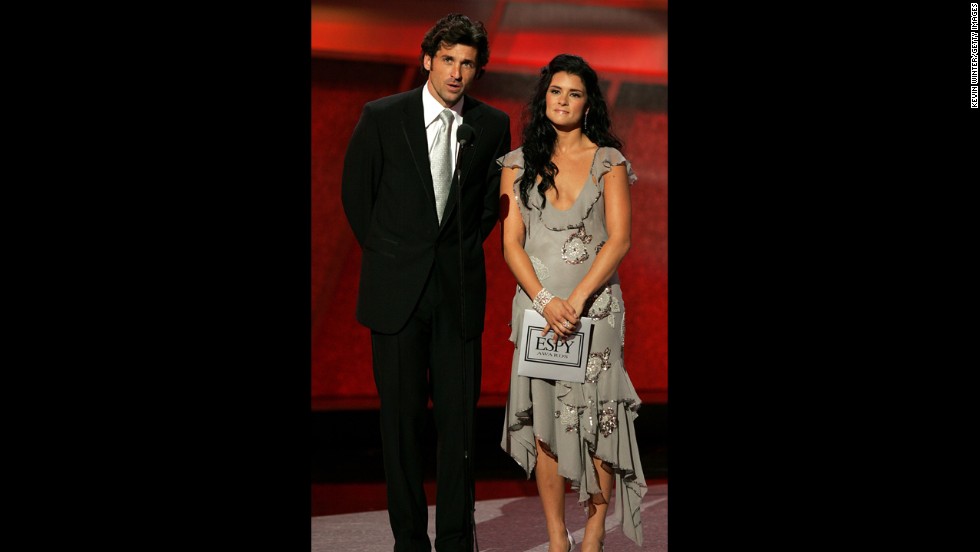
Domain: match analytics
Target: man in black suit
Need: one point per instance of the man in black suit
(423, 279)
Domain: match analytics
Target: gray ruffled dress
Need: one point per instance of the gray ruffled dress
(577, 420)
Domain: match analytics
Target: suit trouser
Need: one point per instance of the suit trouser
(424, 358)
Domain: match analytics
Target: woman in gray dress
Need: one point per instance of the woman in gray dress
(566, 227)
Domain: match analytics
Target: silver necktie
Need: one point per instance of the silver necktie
(440, 162)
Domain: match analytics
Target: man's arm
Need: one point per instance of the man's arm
(359, 184)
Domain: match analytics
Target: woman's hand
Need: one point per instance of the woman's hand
(561, 317)
(578, 304)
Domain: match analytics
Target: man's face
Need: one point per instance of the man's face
(451, 71)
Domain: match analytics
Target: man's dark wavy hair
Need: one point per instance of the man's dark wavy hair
(455, 29)
(539, 134)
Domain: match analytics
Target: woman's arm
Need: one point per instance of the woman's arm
(617, 192)
(512, 235)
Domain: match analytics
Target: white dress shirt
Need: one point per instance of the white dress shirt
(431, 108)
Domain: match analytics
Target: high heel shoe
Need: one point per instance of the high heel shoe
(571, 540)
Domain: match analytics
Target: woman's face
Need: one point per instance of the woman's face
(565, 101)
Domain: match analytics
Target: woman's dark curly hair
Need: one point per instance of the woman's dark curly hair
(455, 29)
(539, 134)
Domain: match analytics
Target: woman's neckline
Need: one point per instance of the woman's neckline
(580, 190)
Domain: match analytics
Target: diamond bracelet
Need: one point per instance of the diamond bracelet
(541, 300)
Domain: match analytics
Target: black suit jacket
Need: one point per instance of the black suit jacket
(389, 202)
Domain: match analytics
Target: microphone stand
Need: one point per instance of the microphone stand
(465, 139)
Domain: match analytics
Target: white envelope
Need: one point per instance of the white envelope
(543, 356)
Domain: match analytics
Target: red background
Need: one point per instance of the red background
(358, 56)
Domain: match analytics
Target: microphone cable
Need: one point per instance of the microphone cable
(464, 135)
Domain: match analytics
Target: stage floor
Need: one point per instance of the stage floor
(502, 525)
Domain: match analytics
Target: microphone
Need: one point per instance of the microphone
(465, 135)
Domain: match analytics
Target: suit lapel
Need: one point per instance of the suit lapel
(413, 127)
